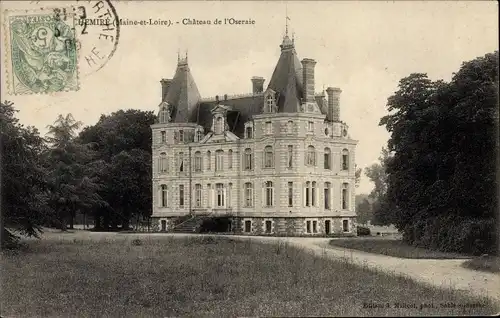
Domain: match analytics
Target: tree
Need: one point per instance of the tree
(364, 211)
(23, 177)
(122, 140)
(376, 173)
(441, 181)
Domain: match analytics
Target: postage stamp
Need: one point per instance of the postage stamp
(41, 51)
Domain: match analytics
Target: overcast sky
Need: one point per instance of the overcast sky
(364, 48)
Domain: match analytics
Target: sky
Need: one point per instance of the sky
(364, 48)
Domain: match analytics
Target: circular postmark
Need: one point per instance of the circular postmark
(97, 33)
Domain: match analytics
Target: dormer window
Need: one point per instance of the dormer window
(181, 135)
(219, 125)
(199, 135)
(164, 114)
(269, 103)
(249, 132)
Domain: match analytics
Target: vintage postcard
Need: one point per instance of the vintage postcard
(249, 158)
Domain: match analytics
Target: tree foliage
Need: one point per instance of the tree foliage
(382, 214)
(441, 181)
(23, 177)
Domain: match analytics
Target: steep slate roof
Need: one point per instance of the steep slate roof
(286, 80)
(183, 94)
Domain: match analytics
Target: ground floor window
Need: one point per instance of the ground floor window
(315, 226)
(308, 226)
(269, 226)
(163, 225)
(248, 226)
(345, 225)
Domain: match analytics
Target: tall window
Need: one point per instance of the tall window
(209, 195)
(345, 225)
(308, 193)
(345, 159)
(181, 135)
(269, 193)
(311, 156)
(248, 226)
(248, 159)
(289, 127)
(310, 126)
(315, 226)
(163, 136)
(181, 161)
(164, 195)
(219, 160)
(290, 156)
(290, 194)
(327, 159)
(327, 195)
(269, 226)
(197, 195)
(345, 196)
(249, 132)
(308, 226)
(248, 188)
(268, 157)
(269, 128)
(219, 187)
(163, 163)
(219, 125)
(199, 135)
(229, 191)
(181, 195)
(230, 159)
(197, 161)
(269, 103)
(209, 160)
(163, 115)
(313, 194)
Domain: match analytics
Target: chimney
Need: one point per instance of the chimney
(217, 99)
(165, 84)
(225, 97)
(258, 84)
(308, 79)
(333, 103)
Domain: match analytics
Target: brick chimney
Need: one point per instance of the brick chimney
(333, 103)
(308, 79)
(257, 84)
(165, 84)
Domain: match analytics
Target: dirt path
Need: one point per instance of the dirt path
(444, 273)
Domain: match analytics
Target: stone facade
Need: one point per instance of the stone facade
(278, 161)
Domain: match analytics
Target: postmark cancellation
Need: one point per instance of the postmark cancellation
(41, 51)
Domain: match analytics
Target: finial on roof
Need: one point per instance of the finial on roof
(286, 20)
(178, 55)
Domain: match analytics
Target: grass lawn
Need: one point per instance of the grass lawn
(203, 276)
(393, 247)
(484, 263)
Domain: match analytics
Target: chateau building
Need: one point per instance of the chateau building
(276, 161)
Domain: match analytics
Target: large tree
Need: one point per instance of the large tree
(122, 140)
(442, 177)
(22, 176)
(382, 214)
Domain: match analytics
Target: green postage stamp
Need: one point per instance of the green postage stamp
(41, 51)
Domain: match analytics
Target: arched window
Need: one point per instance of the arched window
(248, 193)
(269, 194)
(345, 159)
(219, 187)
(345, 196)
(313, 194)
(197, 161)
(270, 103)
(230, 159)
(268, 157)
(163, 163)
(219, 160)
(311, 156)
(327, 195)
(327, 159)
(248, 159)
(219, 125)
(209, 160)
(289, 127)
(164, 195)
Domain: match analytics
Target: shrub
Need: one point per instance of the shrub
(363, 231)
(136, 242)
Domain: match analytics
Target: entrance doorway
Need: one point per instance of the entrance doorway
(163, 225)
(328, 226)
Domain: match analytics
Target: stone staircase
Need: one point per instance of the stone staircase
(191, 225)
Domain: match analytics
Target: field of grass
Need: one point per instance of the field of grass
(204, 276)
(393, 247)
